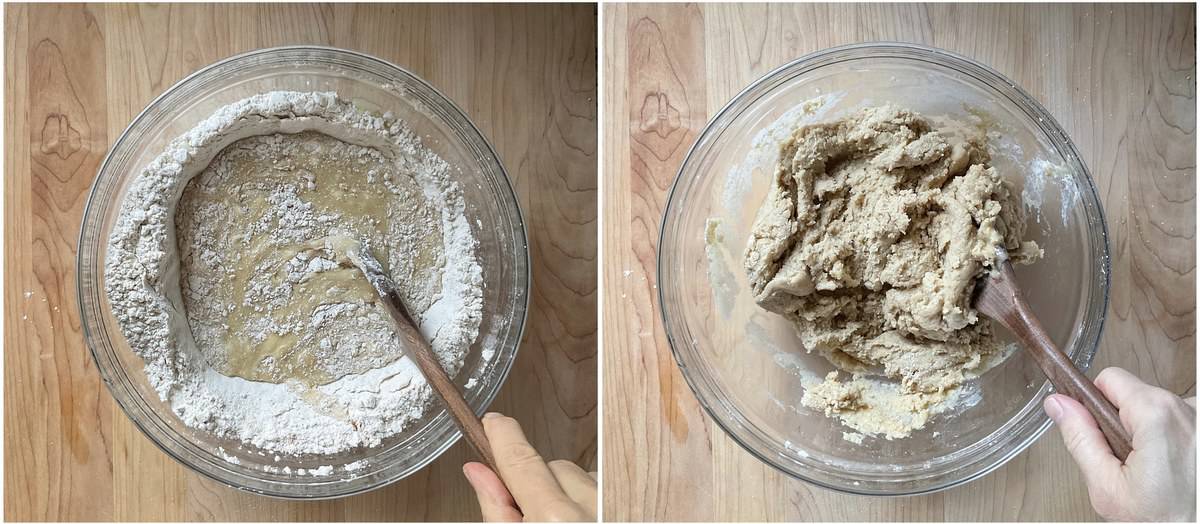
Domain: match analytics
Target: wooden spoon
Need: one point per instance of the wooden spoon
(418, 349)
(998, 296)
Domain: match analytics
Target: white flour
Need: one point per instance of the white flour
(369, 393)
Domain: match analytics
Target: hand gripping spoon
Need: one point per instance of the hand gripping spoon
(998, 296)
(418, 349)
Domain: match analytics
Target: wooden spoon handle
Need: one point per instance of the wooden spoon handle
(1067, 379)
(415, 345)
(423, 355)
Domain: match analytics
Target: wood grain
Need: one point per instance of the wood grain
(75, 76)
(1120, 79)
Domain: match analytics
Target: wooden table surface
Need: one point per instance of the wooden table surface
(76, 76)
(1120, 79)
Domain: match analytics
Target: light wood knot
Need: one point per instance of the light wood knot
(658, 115)
(59, 138)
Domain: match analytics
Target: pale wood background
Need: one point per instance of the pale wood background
(1120, 79)
(75, 77)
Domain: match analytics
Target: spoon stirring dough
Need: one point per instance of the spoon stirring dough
(998, 296)
(416, 347)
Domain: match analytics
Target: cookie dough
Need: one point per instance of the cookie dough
(870, 241)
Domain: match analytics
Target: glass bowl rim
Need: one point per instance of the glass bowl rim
(502, 182)
(1097, 234)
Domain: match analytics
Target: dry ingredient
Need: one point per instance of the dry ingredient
(221, 280)
(870, 241)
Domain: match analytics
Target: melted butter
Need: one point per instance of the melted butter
(280, 358)
(347, 187)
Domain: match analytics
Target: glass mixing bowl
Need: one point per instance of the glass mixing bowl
(745, 364)
(491, 207)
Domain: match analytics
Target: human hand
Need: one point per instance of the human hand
(1157, 482)
(532, 490)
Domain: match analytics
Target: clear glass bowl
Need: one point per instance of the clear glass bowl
(372, 84)
(745, 364)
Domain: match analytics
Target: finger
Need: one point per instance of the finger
(1084, 440)
(495, 502)
(1120, 386)
(576, 482)
(1148, 404)
(524, 472)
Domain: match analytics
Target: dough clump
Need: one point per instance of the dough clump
(870, 241)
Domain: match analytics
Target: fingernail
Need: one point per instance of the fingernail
(491, 414)
(467, 473)
(1053, 408)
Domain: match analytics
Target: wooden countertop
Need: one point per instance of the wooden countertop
(75, 76)
(1120, 79)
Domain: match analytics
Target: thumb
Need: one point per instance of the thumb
(1084, 440)
(495, 502)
